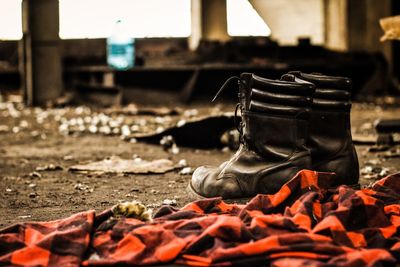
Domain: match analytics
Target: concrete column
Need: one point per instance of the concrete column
(353, 25)
(209, 21)
(41, 59)
(336, 32)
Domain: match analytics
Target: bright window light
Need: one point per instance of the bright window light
(243, 20)
(10, 20)
(142, 18)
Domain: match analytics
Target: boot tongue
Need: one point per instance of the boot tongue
(288, 78)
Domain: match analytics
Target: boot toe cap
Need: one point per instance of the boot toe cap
(208, 182)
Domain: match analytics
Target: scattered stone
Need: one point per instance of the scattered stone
(181, 123)
(25, 216)
(35, 175)
(68, 157)
(8, 190)
(50, 167)
(225, 149)
(32, 195)
(170, 202)
(182, 163)
(32, 185)
(186, 171)
(135, 189)
(167, 142)
(133, 209)
(4, 129)
(153, 191)
(83, 187)
(15, 129)
(190, 113)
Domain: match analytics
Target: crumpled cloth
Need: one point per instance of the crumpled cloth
(305, 223)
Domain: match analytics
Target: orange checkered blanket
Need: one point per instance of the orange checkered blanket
(305, 223)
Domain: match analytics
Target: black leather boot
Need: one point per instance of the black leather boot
(330, 141)
(273, 132)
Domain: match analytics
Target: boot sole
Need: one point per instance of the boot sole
(193, 195)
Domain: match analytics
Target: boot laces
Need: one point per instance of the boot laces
(238, 125)
(225, 85)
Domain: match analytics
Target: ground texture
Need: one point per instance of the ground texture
(36, 151)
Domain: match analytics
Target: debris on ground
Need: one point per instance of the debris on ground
(35, 174)
(83, 187)
(170, 202)
(116, 164)
(133, 209)
(186, 171)
(392, 153)
(204, 132)
(168, 144)
(50, 167)
(374, 170)
(133, 109)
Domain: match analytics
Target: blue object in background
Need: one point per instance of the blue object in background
(120, 49)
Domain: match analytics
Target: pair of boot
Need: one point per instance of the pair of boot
(301, 121)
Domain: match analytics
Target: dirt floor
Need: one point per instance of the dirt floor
(36, 151)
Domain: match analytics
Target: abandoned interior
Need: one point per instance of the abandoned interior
(109, 110)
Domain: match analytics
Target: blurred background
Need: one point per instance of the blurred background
(184, 49)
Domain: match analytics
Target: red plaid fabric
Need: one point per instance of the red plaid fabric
(305, 223)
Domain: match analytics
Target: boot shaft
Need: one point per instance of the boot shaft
(330, 116)
(330, 140)
(275, 115)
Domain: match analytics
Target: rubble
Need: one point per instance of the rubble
(35, 174)
(133, 209)
(186, 171)
(115, 164)
(49, 167)
(170, 202)
(83, 187)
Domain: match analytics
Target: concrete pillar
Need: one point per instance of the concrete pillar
(353, 25)
(40, 54)
(336, 31)
(209, 21)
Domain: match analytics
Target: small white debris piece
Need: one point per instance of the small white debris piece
(170, 202)
(68, 157)
(191, 113)
(181, 123)
(182, 163)
(174, 149)
(93, 129)
(125, 130)
(25, 216)
(186, 171)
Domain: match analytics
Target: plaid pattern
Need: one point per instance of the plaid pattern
(305, 223)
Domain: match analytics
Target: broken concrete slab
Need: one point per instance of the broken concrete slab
(129, 166)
